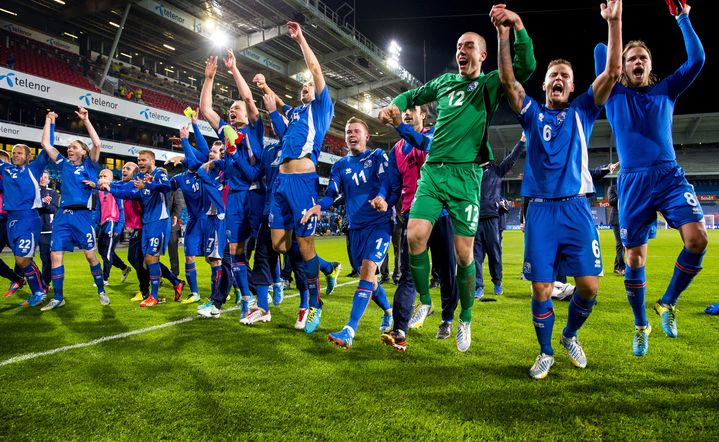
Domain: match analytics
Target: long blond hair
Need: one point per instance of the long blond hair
(653, 78)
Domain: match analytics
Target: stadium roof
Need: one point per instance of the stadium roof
(183, 33)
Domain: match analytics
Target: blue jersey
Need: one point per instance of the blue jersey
(212, 185)
(557, 141)
(266, 170)
(359, 178)
(641, 118)
(254, 137)
(191, 186)
(21, 188)
(153, 196)
(307, 128)
(74, 193)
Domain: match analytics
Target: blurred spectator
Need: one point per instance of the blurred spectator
(10, 60)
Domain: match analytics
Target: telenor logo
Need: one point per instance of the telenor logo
(160, 10)
(151, 115)
(86, 97)
(8, 79)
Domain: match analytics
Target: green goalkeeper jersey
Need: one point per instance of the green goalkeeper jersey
(465, 107)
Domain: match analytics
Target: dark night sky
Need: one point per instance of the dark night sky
(566, 29)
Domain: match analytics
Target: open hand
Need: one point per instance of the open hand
(210, 67)
(230, 62)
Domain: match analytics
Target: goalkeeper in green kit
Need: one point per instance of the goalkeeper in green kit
(452, 175)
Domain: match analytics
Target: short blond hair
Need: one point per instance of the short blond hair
(358, 121)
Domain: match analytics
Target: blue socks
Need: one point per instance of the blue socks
(380, 298)
(96, 271)
(155, 276)
(325, 267)
(32, 275)
(276, 276)
(579, 311)
(239, 271)
(360, 301)
(262, 301)
(58, 278)
(312, 270)
(635, 283)
(167, 274)
(191, 275)
(304, 297)
(686, 268)
(543, 319)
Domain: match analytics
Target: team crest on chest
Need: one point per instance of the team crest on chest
(472, 86)
(561, 117)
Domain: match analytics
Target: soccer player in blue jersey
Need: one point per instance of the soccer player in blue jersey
(74, 225)
(359, 178)
(16, 281)
(560, 236)
(640, 112)
(295, 190)
(214, 236)
(330, 269)
(21, 199)
(190, 183)
(150, 186)
(266, 269)
(244, 118)
(405, 161)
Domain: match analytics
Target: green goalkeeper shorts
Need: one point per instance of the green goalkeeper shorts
(455, 187)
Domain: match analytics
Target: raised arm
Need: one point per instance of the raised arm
(206, 95)
(202, 147)
(261, 82)
(509, 161)
(391, 187)
(688, 71)
(512, 87)
(191, 160)
(414, 139)
(83, 115)
(242, 86)
(46, 142)
(278, 122)
(311, 61)
(603, 84)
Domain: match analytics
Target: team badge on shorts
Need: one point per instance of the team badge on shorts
(527, 267)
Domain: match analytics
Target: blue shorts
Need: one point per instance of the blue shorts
(194, 234)
(294, 194)
(215, 236)
(23, 232)
(155, 236)
(642, 192)
(560, 238)
(370, 243)
(237, 219)
(73, 228)
(256, 204)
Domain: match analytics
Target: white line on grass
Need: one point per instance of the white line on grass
(125, 335)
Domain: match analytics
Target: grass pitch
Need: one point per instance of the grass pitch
(217, 379)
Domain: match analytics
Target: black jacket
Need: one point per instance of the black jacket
(492, 182)
(47, 211)
(614, 210)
